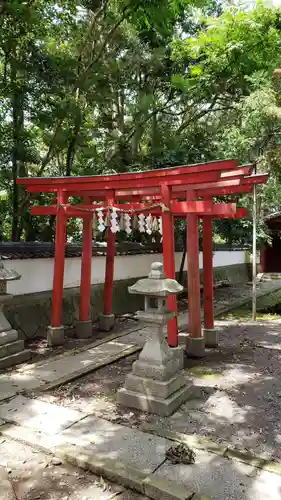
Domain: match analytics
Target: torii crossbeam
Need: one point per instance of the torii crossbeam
(162, 195)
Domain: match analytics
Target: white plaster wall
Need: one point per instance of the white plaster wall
(37, 274)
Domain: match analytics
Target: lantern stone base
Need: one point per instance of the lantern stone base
(55, 335)
(156, 387)
(106, 322)
(12, 351)
(84, 329)
(152, 404)
(7, 337)
(211, 336)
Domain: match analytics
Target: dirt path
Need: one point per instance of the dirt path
(239, 391)
(29, 474)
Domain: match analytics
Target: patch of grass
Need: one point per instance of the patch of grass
(202, 372)
(245, 314)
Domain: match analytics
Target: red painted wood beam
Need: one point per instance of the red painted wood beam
(169, 262)
(255, 179)
(133, 176)
(193, 278)
(242, 170)
(109, 264)
(208, 289)
(171, 180)
(86, 269)
(59, 263)
(143, 196)
(177, 207)
(219, 188)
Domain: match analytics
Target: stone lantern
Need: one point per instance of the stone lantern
(156, 384)
(11, 348)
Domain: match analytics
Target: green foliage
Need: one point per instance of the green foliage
(102, 86)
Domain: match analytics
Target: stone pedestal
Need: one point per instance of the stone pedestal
(211, 336)
(157, 383)
(83, 329)
(195, 347)
(55, 335)
(12, 351)
(156, 387)
(106, 322)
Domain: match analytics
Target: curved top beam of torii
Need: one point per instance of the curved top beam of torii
(205, 180)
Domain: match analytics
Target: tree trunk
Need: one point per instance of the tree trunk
(71, 150)
(154, 133)
(18, 168)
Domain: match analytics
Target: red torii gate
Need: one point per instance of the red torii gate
(157, 192)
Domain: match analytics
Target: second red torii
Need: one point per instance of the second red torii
(166, 193)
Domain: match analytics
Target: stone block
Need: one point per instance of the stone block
(35, 414)
(160, 372)
(195, 347)
(15, 359)
(162, 407)
(6, 337)
(4, 323)
(211, 336)
(84, 329)
(156, 388)
(219, 478)
(106, 322)
(112, 469)
(159, 488)
(55, 335)
(105, 439)
(11, 348)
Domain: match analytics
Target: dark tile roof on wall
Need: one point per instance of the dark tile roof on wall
(39, 250)
(45, 250)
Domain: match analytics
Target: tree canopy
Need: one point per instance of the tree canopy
(101, 86)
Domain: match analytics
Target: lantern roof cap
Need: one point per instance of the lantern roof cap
(8, 274)
(156, 284)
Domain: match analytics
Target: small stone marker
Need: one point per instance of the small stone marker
(12, 349)
(156, 384)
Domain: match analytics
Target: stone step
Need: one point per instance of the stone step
(11, 348)
(9, 336)
(15, 359)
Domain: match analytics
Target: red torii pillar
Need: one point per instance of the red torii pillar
(169, 260)
(84, 326)
(55, 332)
(107, 319)
(210, 334)
(195, 342)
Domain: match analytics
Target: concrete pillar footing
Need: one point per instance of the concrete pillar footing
(83, 329)
(106, 322)
(195, 347)
(211, 336)
(55, 335)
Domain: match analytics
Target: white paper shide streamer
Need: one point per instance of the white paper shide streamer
(141, 223)
(127, 219)
(145, 223)
(101, 224)
(114, 221)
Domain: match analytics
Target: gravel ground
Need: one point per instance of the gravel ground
(40, 350)
(239, 391)
(34, 475)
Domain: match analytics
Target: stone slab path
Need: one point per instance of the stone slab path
(65, 367)
(68, 366)
(106, 446)
(122, 453)
(27, 473)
